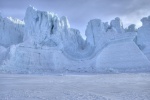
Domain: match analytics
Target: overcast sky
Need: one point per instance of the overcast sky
(79, 12)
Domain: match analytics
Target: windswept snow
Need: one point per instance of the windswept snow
(75, 87)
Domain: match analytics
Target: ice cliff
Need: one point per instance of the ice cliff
(143, 37)
(11, 31)
(45, 43)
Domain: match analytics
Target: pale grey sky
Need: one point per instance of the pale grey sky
(79, 12)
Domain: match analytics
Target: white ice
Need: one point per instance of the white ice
(45, 43)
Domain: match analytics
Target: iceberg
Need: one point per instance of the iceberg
(45, 43)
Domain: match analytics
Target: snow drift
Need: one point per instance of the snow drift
(45, 43)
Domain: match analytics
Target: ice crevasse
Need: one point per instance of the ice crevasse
(45, 43)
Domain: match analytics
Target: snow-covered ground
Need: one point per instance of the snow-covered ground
(75, 87)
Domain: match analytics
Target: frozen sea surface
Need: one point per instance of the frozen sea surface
(75, 87)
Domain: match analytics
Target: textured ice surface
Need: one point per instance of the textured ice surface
(143, 37)
(11, 31)
(128, 58)
(45, 43)
(3, 54)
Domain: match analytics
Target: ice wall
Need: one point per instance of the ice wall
(41, 27)
(11, 31)
(122, 56)
(45, 43)
(3, 54)
(45, 28)
(143, 37)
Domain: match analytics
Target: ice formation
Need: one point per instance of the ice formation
(3, 54)
(45, 43)
(11, 31)
(143, 37)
